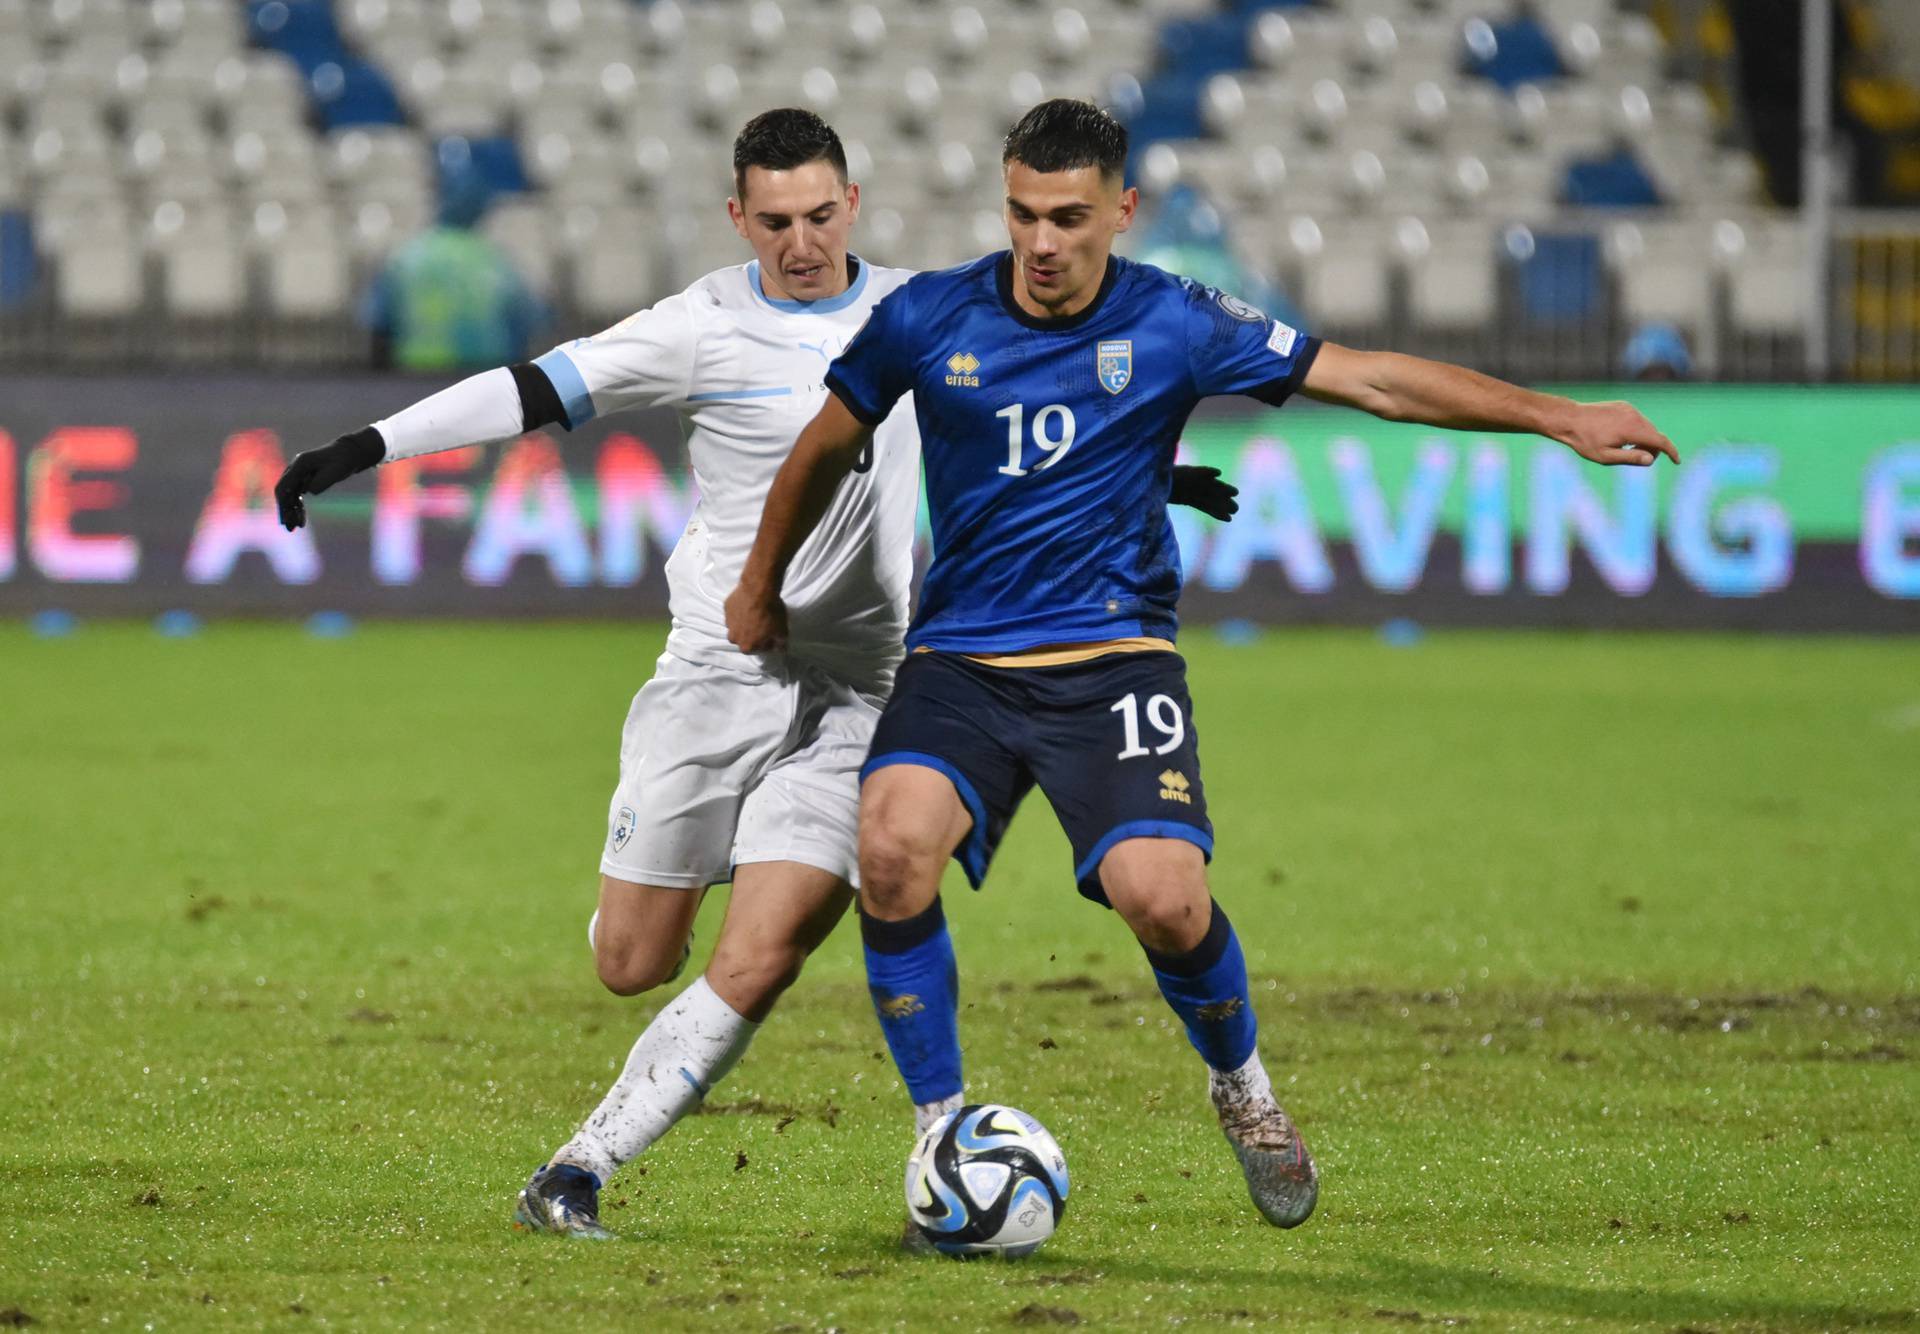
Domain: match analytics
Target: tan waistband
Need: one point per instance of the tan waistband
(1059, 655)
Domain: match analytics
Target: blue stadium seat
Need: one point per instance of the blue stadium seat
(302, 30)
(1204, 46)
(18, 269)
(1512, 53)
(1561, 277)
(494, 161)
(1616, 180)
(354, 92)
(1169, 108)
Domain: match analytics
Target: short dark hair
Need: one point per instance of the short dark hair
(1066, 134)
(782, 139)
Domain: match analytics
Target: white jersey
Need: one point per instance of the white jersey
(747, 373)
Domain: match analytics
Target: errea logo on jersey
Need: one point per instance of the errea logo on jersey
(960, 370)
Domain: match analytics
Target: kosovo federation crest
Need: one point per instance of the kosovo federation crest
(1113, 363)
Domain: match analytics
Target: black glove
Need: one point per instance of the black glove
(317, 469)
(1200, 489)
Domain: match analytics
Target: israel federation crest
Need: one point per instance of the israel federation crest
(623, 827)
(1113, 363)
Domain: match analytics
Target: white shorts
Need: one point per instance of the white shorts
(722, 768)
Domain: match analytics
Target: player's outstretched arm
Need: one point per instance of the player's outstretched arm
(1413, 389)
(479, 410)
(803, 488)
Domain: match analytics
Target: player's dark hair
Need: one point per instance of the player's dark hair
(782, 139)
(1066, 134)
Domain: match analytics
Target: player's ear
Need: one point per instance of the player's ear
(853, 202)
(1129, 203)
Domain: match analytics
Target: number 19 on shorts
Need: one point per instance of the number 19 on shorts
(1163, 716)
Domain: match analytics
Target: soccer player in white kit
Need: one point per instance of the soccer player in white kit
(732, 767)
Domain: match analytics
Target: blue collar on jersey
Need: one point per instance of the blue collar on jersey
(1003, 276)
(826, 305)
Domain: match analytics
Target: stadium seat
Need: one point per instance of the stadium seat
(1452, 279)
(1511, 52)
(1610, 180)
(19, 264)
(613, 261)
(1559, 274)
(525, 229)
(1340, 273)
(586, 25)
(201, 275)
(97, 272)
(378, 159)
(1661, 272)
(1299, 42)
(1764, 266)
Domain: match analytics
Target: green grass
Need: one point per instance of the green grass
(1588, 965)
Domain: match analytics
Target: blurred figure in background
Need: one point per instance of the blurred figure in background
(450, 299)
(1657, 352)
(1188, 236)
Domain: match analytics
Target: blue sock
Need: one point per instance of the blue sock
(1207, 988)
(915, 986)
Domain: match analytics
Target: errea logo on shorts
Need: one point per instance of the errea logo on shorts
(960, 370)
(1173, 787)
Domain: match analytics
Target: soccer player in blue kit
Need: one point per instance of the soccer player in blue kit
(1051, 383)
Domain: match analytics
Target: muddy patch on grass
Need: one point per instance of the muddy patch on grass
(785, 1113)
(1078, 982)
(1035, 1314)
(14, 1318)
(1862, 1027)
(199, 909)
(1417, 1318)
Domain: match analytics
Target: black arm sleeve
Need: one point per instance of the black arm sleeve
(539, 400)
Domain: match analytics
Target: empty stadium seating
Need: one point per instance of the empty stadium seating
(246, 165)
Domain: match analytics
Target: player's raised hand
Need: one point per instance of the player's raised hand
(1615, 433)
(1202, 489)
(314, 470)
(756, 620)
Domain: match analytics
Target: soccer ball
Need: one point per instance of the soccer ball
(986, 1180)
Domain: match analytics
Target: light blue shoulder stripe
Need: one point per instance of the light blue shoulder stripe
(574, 397)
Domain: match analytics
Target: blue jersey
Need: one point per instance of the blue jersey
(1048, 444)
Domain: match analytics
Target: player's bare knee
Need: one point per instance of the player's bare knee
(892, 869)
(631, 971)
(752, 985)
(1165, 922)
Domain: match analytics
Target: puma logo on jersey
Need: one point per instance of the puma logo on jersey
(899, 1007)
(961, 367)
(1173, 787)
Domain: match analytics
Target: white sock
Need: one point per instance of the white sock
(687, 1049)
(1249, 1081)
(926, 1113)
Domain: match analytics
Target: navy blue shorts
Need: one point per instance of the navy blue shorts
(1110, 742)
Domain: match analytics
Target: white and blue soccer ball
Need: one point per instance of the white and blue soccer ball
(986, 1180)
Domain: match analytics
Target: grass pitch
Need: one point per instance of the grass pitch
(1588, 965)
